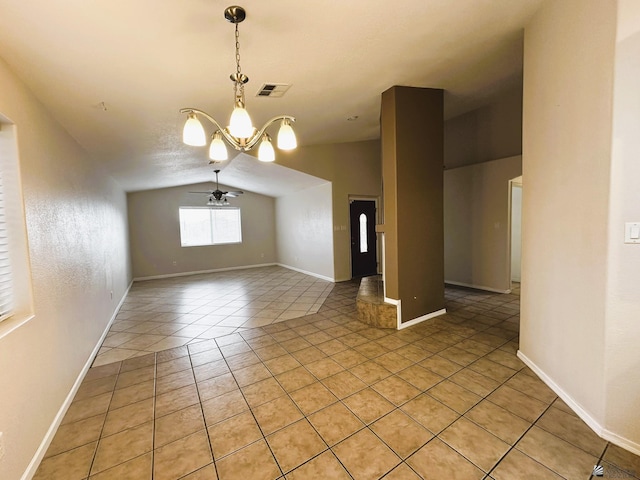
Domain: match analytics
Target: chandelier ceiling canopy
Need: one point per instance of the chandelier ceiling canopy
(240, 133)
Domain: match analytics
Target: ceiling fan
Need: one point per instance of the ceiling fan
(217, 197)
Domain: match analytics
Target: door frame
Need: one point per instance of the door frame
(366, 198)
(514, 182)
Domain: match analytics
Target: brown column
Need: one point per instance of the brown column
(412, 174)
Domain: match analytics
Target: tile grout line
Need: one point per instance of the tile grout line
(204, 419)
(153, 425)
(396, 407)
(520, 438)
(440, 328)
(604, 451)
(99, 441)
(283, 280)
(251, 411)
(305, 417)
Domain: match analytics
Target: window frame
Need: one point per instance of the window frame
(14, 223)
(6, 276)
(212, 213)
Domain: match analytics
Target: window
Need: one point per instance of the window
(209, 226)
(364, 247)
(6, 281)
(16, 306)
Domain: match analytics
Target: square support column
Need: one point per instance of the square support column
(412, 130)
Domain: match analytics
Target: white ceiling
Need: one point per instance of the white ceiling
(146, 59)
(268, 179)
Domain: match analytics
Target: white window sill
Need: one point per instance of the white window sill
(13, 323)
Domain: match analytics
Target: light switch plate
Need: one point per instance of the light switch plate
(632, 232)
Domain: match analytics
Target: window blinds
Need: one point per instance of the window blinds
(6, 294)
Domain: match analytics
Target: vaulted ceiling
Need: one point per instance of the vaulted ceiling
(116, 73)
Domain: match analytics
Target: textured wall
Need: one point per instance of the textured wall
(622, 375)
(566, 175)
(353, 169)
(490, 132)
(304, 230)
(476, 223)
(155, 232)
(78, 247)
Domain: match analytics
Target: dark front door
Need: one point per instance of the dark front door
(363, 238)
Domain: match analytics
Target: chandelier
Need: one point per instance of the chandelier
(240, 133)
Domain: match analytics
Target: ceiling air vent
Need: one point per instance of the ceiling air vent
(273, 90)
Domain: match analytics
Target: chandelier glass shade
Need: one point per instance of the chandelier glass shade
(266, 153)
(193, 132)
(240, 133)
(217, 148)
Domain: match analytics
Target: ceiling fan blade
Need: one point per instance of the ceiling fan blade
(234, 194)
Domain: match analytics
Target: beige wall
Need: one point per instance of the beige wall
(516, 230)
(77, 235)
(155, 232)
(304, 231)
(476, 224)
(622, 358)
(353, 169)
(490, 132)
(412, 159)
(568, 82)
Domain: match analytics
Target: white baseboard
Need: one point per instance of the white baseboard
(199, 272)
(622, 442)
(420, 319)
(401, 325)
(312, 274)
(477, 287)
(342, 279)
(53, 428)
(586, 417)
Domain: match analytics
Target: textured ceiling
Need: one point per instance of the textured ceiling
(146, 59)
(268, 179)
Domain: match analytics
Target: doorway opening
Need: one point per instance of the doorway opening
(515, 231)
(364, 249)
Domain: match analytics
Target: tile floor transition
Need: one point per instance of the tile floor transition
(162, 314)
(324, 396)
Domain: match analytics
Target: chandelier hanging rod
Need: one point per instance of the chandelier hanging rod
(242, 144)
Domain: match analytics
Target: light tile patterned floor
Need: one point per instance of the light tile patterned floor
(166, 313)
(326, 397)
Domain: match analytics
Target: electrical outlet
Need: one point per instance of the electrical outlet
(1, 446)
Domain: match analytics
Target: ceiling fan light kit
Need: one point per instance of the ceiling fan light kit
(218, 198)
(214, 202)
(240, 133)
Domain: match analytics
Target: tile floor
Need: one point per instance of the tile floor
(162, 314)
(326, 397)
